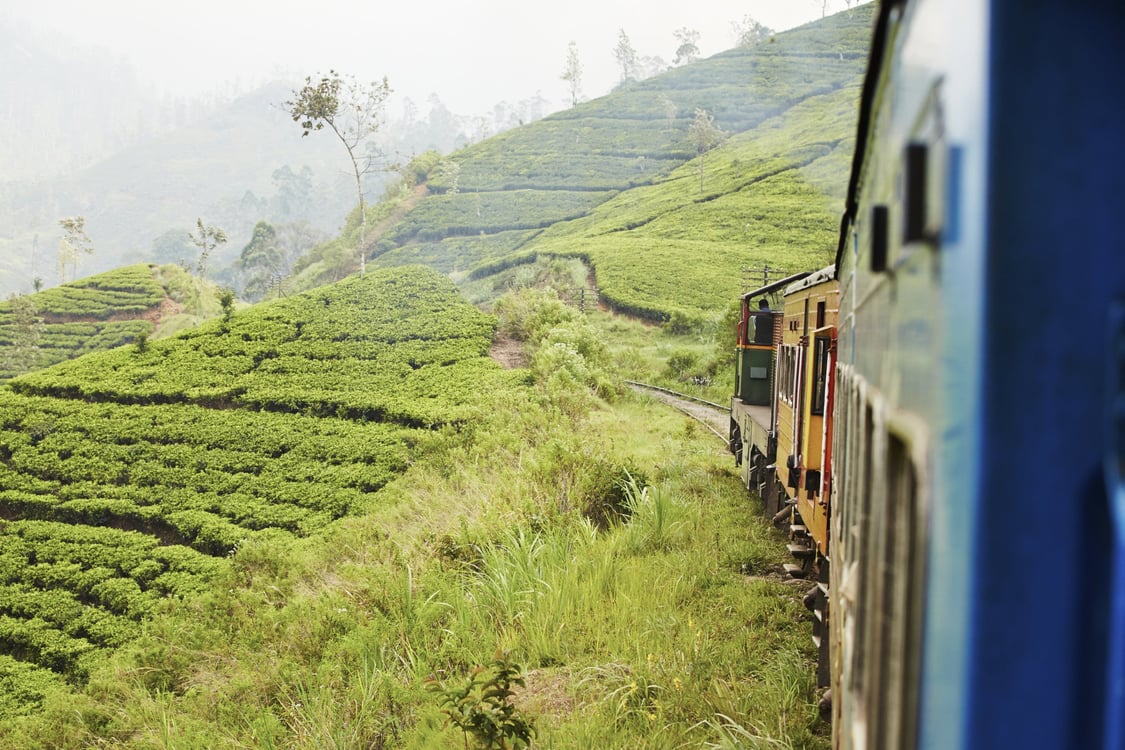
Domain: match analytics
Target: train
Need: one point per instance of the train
(938, 417)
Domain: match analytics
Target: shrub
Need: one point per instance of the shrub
(681, 364)
(605, 493)
(481, 705)
(528, 314)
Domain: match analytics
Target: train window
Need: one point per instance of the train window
(865, 654)
(821, 309)
(880, 220)
(821, 348)
(762, 323)
(915, 158)
(904, 593)
(787, 374)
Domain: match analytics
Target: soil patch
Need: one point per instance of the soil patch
(508, 352)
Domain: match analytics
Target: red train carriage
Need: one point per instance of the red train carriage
(753, 414)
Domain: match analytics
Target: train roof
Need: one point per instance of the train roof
(779, 284)
(828, 273)
(875, 60)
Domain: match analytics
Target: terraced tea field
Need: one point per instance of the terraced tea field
(126, 476)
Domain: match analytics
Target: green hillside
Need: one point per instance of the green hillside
(617, 181)
(126, 475)
(98, 312)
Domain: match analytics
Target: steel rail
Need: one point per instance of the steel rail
(685, 397)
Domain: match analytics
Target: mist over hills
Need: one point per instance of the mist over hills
(221, 169)
(245, 161)
(667, 224)
(84, 137)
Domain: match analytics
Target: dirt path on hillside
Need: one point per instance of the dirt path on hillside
(508, 352)
(376, 232)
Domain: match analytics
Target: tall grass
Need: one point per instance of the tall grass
(644, 632)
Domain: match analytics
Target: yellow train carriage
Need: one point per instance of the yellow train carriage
(805, 362)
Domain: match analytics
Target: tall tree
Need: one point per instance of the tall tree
(261, 259)
(74, 243)
(207, 239)
(748, 32)
(268, 259)
(687, 51)
(704, 136)
(450, 173)
(23, 347)
(173, 246)
(295, 198)
(354, 112)
(649, 66)
(572, 73)
(626, 57)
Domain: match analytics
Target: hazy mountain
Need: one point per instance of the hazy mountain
(244, 162)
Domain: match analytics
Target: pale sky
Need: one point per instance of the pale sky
(472, 54)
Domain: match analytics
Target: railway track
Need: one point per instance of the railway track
(715, 417)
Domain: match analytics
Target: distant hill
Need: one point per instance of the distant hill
(617, 181)
(97, 313)
(223, 169)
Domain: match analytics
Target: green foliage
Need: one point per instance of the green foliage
(207, 239)
(91, 314)
(615, 182)
(573, 365)
(529, 314)
(481, 705)
(666, 253)
(569, 359)
(681, 364)
(401, 346)
(74, 243)
(607, 493)
(129, 471)
(442, 216)
(419, 168)
(228, 506)
(353, 111)
(226, 301)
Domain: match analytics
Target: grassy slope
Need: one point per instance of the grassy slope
(325, 633)
(118, 469)
(770, 195)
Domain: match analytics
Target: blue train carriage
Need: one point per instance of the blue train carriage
(753, 407)
(978, 512)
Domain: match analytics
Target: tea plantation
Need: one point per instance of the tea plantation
(127, 475)
(91, 314)
(618, 181)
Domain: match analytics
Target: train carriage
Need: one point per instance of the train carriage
(754, 403)
(972, 461)
(806, 359)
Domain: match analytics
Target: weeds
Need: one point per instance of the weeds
(481, 705)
